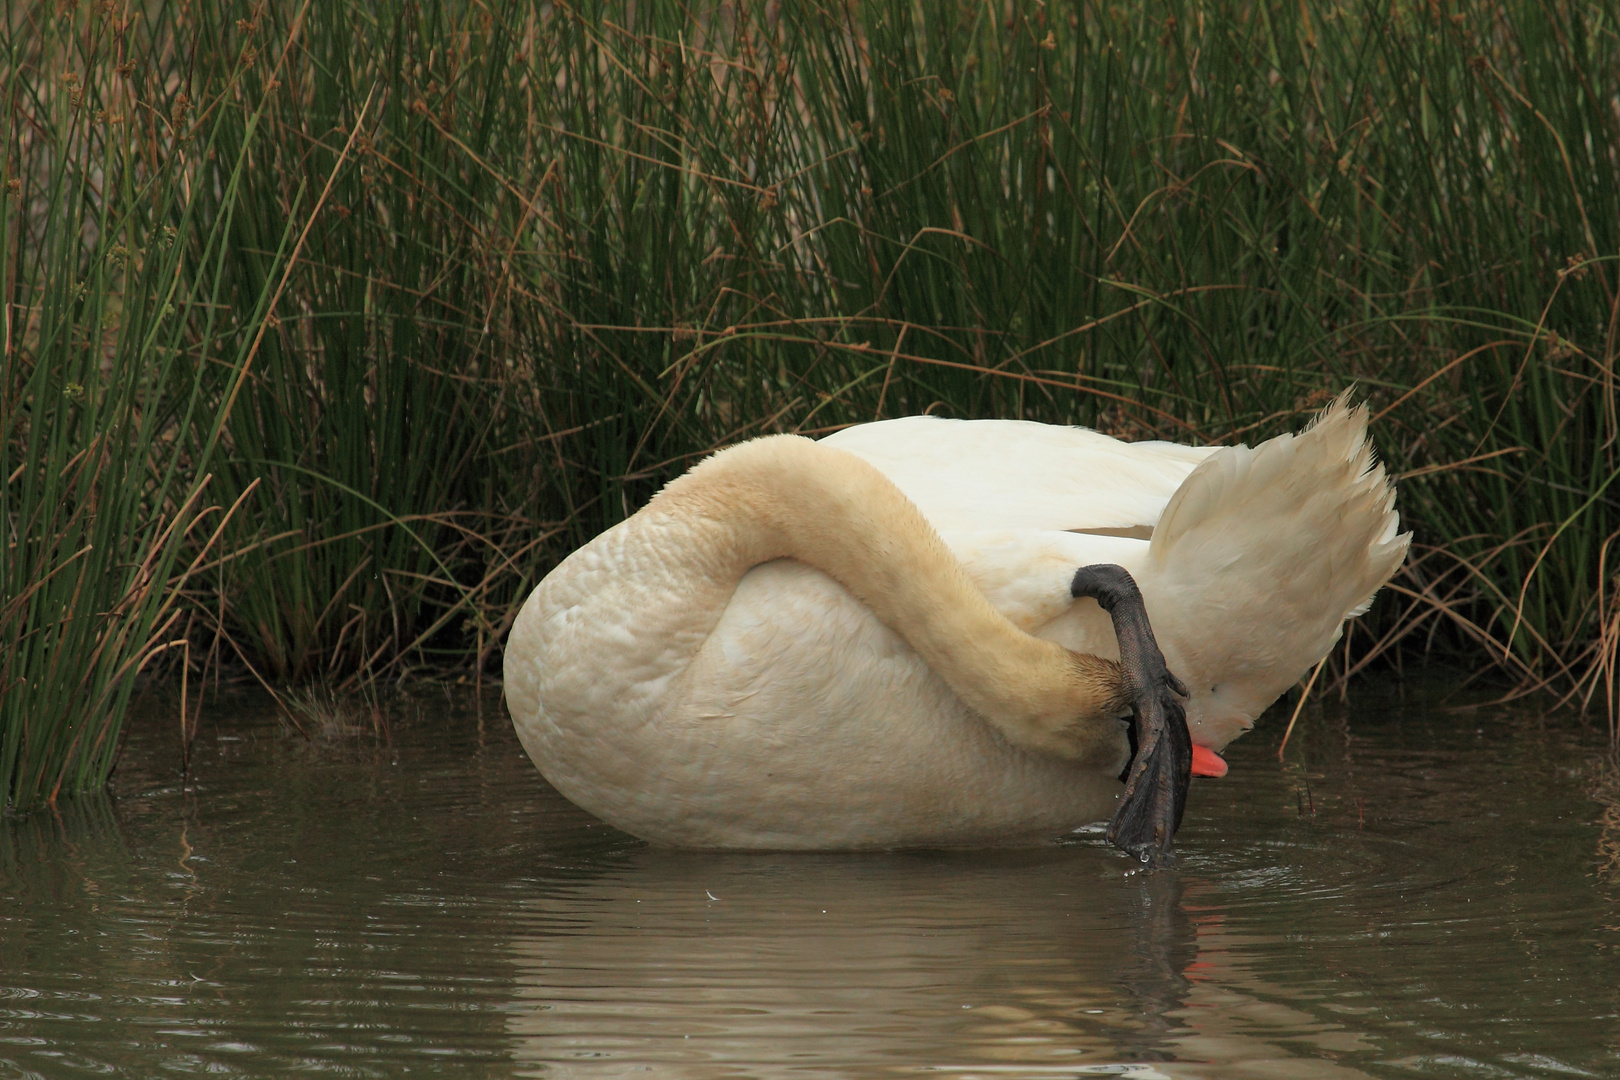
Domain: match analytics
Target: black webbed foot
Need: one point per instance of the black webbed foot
(1160, 770)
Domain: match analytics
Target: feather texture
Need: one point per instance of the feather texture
(697, 701)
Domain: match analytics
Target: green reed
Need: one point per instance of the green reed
(110, 278)
(548, 254)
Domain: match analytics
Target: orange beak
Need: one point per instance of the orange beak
(1207, 762)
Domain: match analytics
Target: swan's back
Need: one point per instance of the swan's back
(969, 475)
(1257, 554)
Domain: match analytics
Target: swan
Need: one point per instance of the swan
(927, 632)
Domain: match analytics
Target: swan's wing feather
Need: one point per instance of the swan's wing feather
(968, 475)
(1262, 554)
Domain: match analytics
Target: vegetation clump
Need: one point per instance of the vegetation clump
(330, 327)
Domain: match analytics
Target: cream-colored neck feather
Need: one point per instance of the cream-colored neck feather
(788, 497)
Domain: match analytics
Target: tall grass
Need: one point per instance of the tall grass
(548, 254)
(368, 415)
(111, 278)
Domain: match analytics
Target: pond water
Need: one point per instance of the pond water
(1414, 892)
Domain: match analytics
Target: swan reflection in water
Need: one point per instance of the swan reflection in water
(1037, 963)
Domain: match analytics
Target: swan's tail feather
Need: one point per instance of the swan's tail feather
(1261, 555)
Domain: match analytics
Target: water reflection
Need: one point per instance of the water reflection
(1604, 789)
(774, 962)
(1012, 965)
(1408, 896)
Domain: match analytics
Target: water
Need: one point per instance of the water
(1415, 893)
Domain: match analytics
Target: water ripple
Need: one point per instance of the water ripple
(1404, 897)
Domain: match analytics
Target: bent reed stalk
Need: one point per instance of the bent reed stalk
(550, 254)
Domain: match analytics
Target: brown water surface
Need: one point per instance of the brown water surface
(1415, 893)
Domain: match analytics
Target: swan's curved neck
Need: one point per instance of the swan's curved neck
(788, 497)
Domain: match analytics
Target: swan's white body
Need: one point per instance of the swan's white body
(777, 711)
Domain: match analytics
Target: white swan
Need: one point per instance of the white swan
(871, 640)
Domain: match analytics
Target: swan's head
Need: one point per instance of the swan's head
(1217, 713)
